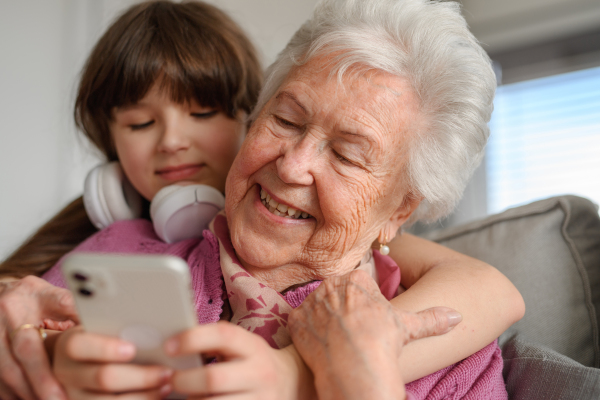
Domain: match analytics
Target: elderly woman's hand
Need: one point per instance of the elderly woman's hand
(351, 337)
(24, 367)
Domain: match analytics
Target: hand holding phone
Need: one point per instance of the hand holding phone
(140, 299)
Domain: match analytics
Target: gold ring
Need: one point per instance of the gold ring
(41, 331)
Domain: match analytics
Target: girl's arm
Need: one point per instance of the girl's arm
(437, 276)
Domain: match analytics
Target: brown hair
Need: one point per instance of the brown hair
(193, 50)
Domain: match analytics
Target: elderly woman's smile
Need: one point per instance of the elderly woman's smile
(320, 173)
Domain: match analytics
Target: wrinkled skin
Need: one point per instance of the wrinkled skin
(345, 322)
(336, 151)
(24, 366)
(351, 337)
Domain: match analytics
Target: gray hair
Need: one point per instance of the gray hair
(429, 43)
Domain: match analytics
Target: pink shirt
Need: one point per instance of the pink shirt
(476, 377)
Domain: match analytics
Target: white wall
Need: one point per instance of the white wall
(43, 44)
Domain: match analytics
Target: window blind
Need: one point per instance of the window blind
(545, 140)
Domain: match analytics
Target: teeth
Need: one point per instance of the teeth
(281, 210)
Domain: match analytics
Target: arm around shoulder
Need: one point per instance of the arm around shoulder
(437, 276)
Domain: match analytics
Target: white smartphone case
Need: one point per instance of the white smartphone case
(141, 299)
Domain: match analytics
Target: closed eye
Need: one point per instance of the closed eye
(137, 127)
(205, 115)
(342, 158)
(285, 123)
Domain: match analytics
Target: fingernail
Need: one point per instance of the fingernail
(126, 349)
(171, 346)
(454, 318)
(165, 390)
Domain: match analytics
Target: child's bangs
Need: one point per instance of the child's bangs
(190, 57)
(192, 50)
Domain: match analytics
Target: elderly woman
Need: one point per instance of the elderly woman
(373, 116)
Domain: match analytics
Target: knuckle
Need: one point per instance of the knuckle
(223, 328)
(28, 283)
(152, 377)
(268, 376)
(439, 322)
(9, 300)
(24, 347)
(212, 380)
(103, 377)
(328, 285)
(358, 276)
(72, 346)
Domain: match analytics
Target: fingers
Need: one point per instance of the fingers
(249, 364)
(431, 322)
(90, 365)
(221, 378)
(115, 378)
(13, 384)
(152, 394)
(84, 346)
(30, 353)
(24, 367)
(228, 340)
(58, 304)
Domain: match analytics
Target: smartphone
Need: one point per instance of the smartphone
(141, 299)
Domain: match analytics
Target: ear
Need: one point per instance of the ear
(402, 213)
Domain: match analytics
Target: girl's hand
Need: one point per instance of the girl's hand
(93, 366)
(24, 366)
(247, 367)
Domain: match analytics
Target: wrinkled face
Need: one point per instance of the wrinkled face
(160, 143)
(320, 174)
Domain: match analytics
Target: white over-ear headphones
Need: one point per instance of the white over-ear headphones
(177, 212)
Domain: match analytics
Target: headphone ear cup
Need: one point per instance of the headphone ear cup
(91, 200)
(183, 212)
(109, 197)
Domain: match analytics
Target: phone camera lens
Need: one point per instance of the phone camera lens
(85, 292)
(80, 277)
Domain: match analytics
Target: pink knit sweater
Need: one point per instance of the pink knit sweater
(476, 377)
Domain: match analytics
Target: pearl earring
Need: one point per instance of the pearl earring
(383, 248)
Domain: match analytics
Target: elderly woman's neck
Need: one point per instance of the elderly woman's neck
(287, 277)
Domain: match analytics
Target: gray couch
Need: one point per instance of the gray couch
(550, 250)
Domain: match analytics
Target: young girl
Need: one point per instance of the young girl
(164, 93)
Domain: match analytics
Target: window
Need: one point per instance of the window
(545, 140)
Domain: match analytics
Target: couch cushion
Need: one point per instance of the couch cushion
(550, 250)
(534, 372)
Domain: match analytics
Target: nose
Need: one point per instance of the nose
(296, 165)
(174, 138)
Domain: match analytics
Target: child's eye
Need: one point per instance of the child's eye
(205, 115)
(137, 127)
